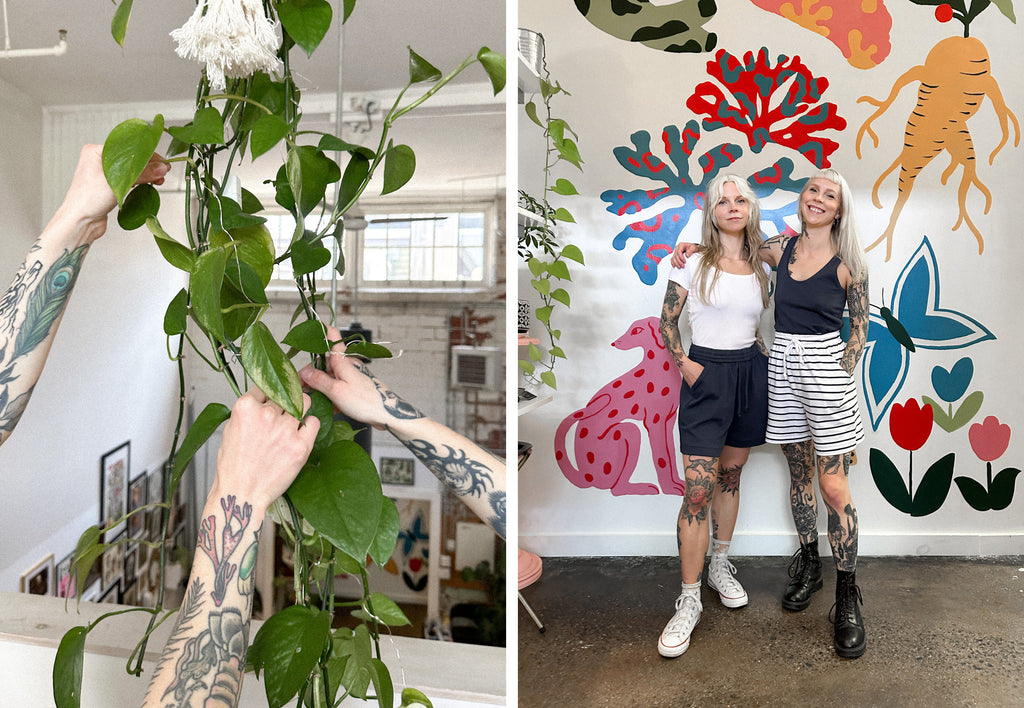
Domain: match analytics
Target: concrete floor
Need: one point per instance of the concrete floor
(940, 632)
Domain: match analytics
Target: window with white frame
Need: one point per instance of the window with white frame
(407, 249)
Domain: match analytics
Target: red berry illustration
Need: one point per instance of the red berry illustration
(943, 13)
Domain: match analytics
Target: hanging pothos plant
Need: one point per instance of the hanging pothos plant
(247, 105)
(540, 245)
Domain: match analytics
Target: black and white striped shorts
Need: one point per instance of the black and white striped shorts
(810, 395)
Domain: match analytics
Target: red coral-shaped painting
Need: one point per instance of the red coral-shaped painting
(859, 28)
(757, 111)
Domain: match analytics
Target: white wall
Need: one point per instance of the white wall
(618, 88)
(108, 378)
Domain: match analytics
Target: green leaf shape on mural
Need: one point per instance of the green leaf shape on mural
(963, 415)
(1001, 490)
(889, 481)
(270, 369)
(67, 668)
(306, 21)
(934, 487)
(339, 494)
(126, 152)
(205, 425)
(998, 495)
(141, 203)
(287, 648)
(973, 493)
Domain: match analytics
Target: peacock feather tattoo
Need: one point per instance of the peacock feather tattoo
(46, 302)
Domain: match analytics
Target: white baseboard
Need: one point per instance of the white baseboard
(782, 544)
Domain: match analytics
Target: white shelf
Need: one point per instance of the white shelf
(529, 80)
(526, 216)
(533, 403)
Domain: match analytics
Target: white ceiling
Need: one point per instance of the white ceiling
(95, 70)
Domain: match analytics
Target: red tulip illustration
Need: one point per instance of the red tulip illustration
(910, 425)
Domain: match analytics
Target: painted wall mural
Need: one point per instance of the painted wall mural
(604, 437)
(793, 120)
(675, 27)
(914, 303)
(953, 83)
(860, 30)
(759, 102)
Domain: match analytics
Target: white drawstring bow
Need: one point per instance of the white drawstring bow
(234, 38)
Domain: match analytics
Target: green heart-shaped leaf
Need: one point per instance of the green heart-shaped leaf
(127, 151)
(140, 204)
(399, 166)
(270, 369)
(205, 128)
(287, 648)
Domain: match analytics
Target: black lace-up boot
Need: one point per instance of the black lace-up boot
(805, 578)
(850, 640)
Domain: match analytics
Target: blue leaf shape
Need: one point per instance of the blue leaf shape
(915, 303)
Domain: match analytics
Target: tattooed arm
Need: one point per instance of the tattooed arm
(771, 249)
(476, 476)
(857, 303)
(262, 451)
(32, 307)
(671, 310)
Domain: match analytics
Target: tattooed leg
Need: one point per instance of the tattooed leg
(803, 503)
(692, 526)
(726, 503)
(833, 479)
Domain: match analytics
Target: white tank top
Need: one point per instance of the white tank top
(730, 317)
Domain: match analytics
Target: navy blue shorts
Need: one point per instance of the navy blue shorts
(727, 404)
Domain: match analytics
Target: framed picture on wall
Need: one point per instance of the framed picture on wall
(38, 580)
(398, 470)
(131, 564)
(155, 485)
(114, 471)
(64, 581)
(111, 595)
(137, 498)
(112, 563)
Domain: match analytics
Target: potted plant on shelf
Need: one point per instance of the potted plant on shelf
(543, 243)
(247, 104)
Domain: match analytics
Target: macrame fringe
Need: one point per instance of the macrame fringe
(233, 38)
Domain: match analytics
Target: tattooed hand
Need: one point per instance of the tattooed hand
(263, 449)
(82, 215)
(473, 474)
(355, 391)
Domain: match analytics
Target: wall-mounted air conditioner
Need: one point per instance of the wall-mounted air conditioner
(476, 367)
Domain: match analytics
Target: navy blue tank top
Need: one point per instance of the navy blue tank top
(812, 306)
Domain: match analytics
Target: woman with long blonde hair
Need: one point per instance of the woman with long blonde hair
(723, 405)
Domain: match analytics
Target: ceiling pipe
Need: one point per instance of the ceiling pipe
(55, 51)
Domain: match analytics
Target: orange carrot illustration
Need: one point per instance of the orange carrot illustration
(954, 81)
